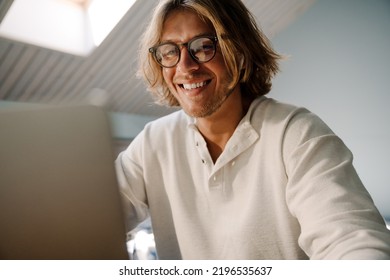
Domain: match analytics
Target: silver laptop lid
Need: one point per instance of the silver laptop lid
(58, 191)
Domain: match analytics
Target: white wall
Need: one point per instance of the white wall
(340, 69)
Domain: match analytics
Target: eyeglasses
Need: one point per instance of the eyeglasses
(201, 49)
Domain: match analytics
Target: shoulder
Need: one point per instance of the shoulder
(157, 135)
(283, 117)
(164, 129)
(288, 126)
(168, 124)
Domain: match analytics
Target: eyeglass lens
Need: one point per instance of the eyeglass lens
(201, 49)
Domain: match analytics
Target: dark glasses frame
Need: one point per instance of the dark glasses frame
(214, 40)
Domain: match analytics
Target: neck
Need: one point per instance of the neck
(220, 126)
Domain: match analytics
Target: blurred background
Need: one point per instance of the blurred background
(85, 52)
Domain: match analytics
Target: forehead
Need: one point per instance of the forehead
(182, 25)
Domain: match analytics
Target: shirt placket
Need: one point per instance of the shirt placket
(241, 140)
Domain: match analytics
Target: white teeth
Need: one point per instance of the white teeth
(193, 86)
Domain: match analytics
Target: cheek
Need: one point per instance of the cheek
(219, 67)
(168, 75)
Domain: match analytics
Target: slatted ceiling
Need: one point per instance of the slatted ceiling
(40, 70)
(24, 78)
(4, 60)
(113, 56)
(4, 48)
(262, 10)
(37, 72)
(137, 102)
(275, 15)
(43, 77)
(294, 12)
(33, 74)
(285, 14)
(9, 61)
(66, 75)
(47, 82)
(88, 77)
(8, 65)
(19, 67)
(117, 75)
(45, 90)
(115, 82)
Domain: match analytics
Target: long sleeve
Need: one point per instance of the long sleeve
(337, 216)
(132, 187)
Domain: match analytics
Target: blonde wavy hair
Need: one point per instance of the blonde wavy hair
(238, 38)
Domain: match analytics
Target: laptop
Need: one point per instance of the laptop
(59, 196)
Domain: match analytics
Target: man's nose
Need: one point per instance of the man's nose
(186, 63)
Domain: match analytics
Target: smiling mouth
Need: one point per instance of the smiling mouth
(194, 85)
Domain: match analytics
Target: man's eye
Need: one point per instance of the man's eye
(208, 47)
(170, 53)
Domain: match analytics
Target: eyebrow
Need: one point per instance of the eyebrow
(199, 35)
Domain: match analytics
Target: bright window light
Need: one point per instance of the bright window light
(103, 16)
(72, 26)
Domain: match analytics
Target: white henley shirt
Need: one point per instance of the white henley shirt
(283, 188)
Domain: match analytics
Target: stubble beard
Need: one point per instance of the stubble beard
(212, 106)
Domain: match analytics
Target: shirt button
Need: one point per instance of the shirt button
(203, 161)
(215, 178)
(233, 163)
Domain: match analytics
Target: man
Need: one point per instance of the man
(236, 175)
